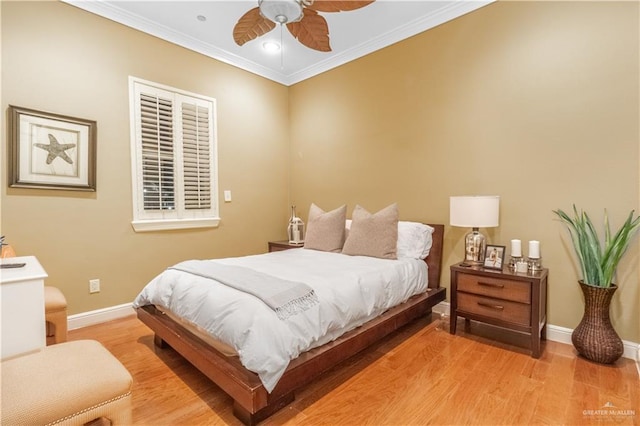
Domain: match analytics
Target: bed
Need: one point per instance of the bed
(253, 401)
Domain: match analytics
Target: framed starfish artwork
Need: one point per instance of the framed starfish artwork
(51, 151)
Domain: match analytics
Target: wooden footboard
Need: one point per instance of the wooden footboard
(252, 403)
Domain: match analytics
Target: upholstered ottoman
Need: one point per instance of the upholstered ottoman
(55, 315)
(70, 383)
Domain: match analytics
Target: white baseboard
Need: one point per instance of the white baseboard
(554, 333)
(563, 335)
(98, 316)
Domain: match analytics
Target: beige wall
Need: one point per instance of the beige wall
(534, 101)
(61, 59)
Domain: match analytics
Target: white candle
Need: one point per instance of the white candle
(516, 248)
(534, 249)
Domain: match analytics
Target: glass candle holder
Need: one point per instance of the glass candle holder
(522, 266)
(513, 262)
(535, 264)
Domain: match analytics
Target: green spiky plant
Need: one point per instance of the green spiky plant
(598, 263)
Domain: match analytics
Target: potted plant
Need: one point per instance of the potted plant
(595, 338)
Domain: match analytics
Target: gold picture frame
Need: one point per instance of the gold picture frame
(51, 151)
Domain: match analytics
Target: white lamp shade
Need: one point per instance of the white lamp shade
(281, 11)
(477, 211)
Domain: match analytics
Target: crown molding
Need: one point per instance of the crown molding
(410, 29)
(116, 14)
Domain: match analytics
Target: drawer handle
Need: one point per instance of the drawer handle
(491, 284)
(488, 305)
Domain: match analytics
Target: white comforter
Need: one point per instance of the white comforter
(351, 290)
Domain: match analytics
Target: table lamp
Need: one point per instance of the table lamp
(477, 211)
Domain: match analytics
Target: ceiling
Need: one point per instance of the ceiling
(207, 27)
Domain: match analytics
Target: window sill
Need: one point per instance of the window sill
(173, 224)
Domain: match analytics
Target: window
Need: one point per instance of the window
(173, 151)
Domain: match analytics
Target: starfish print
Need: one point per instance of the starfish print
(56, 149)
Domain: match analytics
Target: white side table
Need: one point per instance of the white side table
(22, 299)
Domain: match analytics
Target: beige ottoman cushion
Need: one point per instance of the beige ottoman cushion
(54, 300)
(70, 383)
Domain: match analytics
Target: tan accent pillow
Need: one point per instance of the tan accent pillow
(374, 235)
(325, 230)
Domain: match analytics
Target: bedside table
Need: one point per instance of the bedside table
(515, 301)
(283, 245)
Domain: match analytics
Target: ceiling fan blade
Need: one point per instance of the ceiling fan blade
(312, 31)
(251, 25)
(338, 6)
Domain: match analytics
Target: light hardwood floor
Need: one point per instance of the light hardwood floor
(420, 375)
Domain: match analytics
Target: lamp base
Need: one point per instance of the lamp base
(475, 244)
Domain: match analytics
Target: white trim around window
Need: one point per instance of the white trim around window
(173, 158)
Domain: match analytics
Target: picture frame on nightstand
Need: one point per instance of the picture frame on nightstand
(494, 257)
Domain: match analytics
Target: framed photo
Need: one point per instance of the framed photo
(51, 151)
(494, 257)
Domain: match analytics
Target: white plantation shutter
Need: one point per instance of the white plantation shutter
(158, 183)
(196, 157)
(173, 158)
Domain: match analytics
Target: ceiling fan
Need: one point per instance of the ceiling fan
(300, 16)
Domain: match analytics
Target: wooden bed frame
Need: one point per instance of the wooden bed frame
(252, 403)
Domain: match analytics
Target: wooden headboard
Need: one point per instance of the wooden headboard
(434, 260)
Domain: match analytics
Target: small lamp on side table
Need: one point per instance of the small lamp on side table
(477, 211)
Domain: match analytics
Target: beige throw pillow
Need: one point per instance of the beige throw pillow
(374, 235)
(325, 230)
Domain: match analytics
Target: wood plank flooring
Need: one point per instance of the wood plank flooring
(419, 375)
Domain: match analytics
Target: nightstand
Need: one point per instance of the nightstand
(283, 245)
(515, 301)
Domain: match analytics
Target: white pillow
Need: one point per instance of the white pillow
(414, 239)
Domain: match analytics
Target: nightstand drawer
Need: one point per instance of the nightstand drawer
(513, 312)
(494, 287)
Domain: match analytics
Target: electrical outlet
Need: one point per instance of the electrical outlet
(94, 286)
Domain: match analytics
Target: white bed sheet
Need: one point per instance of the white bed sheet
(351, 290)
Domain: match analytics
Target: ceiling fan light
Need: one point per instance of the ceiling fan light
(271, 46)
(281, 11)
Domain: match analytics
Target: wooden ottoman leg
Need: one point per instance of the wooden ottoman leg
(58, 321)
